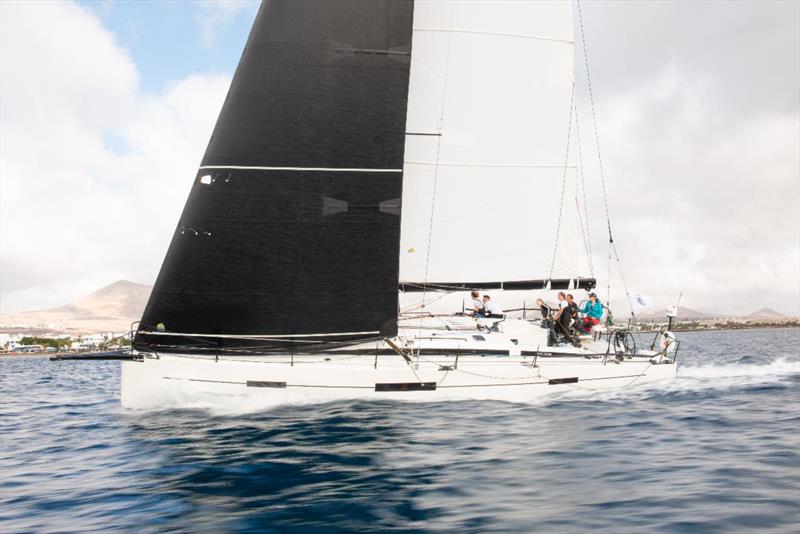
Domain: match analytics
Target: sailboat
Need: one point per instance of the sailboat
(373, 163)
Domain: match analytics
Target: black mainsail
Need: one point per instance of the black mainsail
(290, 235)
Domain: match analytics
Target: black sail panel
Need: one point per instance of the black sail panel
(290, 235)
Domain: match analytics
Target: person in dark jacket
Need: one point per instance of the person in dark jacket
(478, 308)
(573, 309)
(545, 311)
(570, 319)
(564, 316)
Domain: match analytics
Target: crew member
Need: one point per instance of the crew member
(562, 315)
(562, 305)
(544, 308)
(571, 312)
(572, 308)
(478, 308)
(492, 309)
(592, 312)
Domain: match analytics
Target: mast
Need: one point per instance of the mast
(289, 238)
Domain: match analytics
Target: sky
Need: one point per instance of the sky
(106, 109)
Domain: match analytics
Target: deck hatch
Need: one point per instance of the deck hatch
(265, 384)
(570, 380)
(406, 386)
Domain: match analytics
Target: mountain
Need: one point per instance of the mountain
(687, 314)
(684, 314)
(110, 309)
(765, 313)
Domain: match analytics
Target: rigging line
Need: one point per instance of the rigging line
(594, 121)
(563, 183)
(624, 283)
(416, 306)
(585, 240)
(600, 158)
(588, 236)
(438, 150)
(608, 280)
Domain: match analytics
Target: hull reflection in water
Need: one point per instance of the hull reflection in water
(710, 451)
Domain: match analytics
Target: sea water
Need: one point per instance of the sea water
(717, 450)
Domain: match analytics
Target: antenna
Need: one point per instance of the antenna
(672, 311)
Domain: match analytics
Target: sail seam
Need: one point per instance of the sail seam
(255, 336)
(511, 165)
(302, 169)
(500, 34)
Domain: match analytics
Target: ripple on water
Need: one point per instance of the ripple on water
(716, 450)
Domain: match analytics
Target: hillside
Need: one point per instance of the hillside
(110, 309)
(114, 307)
(684, 314)
(687, 314)
(765, 313)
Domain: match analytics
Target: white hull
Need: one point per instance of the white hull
(179, 380)
(176, 381)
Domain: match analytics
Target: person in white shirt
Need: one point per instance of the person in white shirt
(562, 305)
(492, 309)
(563, 315)
(478, 308)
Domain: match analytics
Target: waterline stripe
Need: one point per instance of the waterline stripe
(312, 169)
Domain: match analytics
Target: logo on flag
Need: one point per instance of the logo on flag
(642, 301)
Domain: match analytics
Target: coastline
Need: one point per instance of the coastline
(721, 329)
(759, 327)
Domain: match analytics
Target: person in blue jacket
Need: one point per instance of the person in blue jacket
(592, 312)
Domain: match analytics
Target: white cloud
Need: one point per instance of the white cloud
(214, 14)
(699, 111)
(94, 172)
(705, 206)
(700, 133)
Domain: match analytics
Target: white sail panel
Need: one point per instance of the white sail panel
(488, 115)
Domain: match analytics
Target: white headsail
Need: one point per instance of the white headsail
(489, 110)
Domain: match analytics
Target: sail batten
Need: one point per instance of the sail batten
(468, 164)
(498, 34)
(314, 169)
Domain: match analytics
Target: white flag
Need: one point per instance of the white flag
(641, 301)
